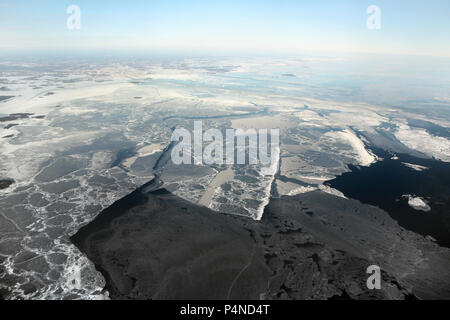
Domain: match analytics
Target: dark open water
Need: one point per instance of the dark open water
(383, 184)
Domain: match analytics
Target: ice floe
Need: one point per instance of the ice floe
(415, 167)
(364, 157)
(417, 203)
(422, 141)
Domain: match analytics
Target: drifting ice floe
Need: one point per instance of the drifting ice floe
(417, 203)
(415, 166)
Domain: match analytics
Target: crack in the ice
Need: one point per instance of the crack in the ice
(241, 272)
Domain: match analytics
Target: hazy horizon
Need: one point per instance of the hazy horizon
(286, 27)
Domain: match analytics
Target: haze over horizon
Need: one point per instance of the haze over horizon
(407, 27)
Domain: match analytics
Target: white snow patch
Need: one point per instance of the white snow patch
(272, 170)
(421, 140)
(301, 190)
(332, 191)
(365, 158)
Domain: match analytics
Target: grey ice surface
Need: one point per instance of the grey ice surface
(310, 246)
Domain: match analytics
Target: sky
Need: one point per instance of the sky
(283, 26)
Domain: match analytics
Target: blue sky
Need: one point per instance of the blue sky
(407, 27)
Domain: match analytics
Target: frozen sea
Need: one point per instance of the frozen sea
(78, 134)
